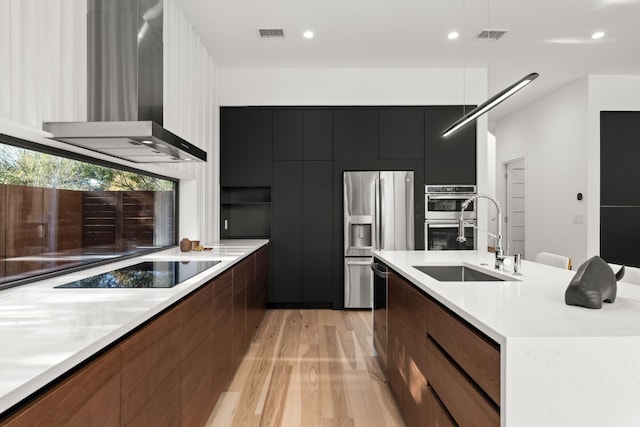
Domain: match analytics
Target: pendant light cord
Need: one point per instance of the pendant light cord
(464, 57)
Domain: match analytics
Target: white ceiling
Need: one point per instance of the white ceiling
(551, 37)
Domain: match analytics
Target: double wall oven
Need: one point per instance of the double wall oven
(442, 212)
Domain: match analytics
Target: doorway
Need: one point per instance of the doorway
(514, 210)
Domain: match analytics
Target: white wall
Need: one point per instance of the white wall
(550, 134)
(348, 86)
(610, 93)
(43, 72)
(371, 86)
(191, 111)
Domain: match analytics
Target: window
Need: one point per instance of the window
(60, 213)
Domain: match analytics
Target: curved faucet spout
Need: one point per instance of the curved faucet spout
(499, 252)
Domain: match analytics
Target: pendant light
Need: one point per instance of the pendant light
(495, 99)
(490, 103)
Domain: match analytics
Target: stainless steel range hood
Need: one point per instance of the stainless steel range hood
(124, 50)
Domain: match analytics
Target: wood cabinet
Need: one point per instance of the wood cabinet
(258, 294)
(450, 160)
(89, 397)
(441, 370)
(151, 378)
(222, 332)
(395, 336)
(414, 397)
(242, 281)
(169, 372)
(197, 400)
(406, 358)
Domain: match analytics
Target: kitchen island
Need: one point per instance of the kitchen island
(48, 334)
(559, 365)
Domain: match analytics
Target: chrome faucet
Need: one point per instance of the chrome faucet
(499, 264)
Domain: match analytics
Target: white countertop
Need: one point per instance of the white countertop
(44, 332)
(560, 365)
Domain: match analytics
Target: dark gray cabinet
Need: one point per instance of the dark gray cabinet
(245, 154)
(286, 232)
(245, 212)
(317, 143)
(355, 133)
(401, 133)
(287, 134)
(450, 160)
(619, 154)
(619, 234)
(317, 240)
(281, 177)
(619, 190)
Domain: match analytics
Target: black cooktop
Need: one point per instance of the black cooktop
(148, 274)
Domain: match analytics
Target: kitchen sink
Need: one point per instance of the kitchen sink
(460, 273)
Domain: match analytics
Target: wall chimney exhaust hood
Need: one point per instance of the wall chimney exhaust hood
(124, 52)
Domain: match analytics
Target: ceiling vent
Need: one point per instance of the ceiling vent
(271, 33)
(491, 34)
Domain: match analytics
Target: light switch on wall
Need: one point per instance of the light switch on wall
(578, 219)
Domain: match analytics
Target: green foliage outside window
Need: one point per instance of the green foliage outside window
(34, 169)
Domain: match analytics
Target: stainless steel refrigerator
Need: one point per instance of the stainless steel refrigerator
(378, 214)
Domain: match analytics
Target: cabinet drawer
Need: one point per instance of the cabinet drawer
(477, 356)
(438, 415)
(466, 403)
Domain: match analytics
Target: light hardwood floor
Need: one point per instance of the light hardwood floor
(309, 368)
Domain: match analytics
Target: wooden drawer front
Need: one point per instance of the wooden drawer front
(151, 373)
(479, 358)
(222, 333)
(197, 356)
(437, 413)
(90, 397)
(466, 403)
(395, 336)
(415, 340)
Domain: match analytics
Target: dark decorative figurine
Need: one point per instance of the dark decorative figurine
(593, 283)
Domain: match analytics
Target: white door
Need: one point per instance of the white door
(515, 196)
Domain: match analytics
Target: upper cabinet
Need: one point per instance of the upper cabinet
(619, 154)
(355, 133)
(245, 151)
(450, 160)
(401, 133)
(317, 142)
(287, 134)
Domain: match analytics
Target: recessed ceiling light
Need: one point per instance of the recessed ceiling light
(597, 35)
(308, 34)
(453, 35)
(145, 141)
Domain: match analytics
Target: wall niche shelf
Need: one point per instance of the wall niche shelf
(245, 212)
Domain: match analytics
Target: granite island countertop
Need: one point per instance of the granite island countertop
(560, 365)
(45, 332)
